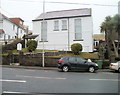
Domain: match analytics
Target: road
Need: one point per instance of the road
(15, 80)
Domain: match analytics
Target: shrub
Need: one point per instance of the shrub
(76, 48)
(31, 45)
(12, 46)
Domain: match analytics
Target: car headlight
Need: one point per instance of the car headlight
(96, 64)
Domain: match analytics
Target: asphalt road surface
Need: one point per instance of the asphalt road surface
(15, 80)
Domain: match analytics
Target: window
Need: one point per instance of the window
(72, 59)
(78, 30)
(13, 27)
(80, 60)
(5, 37)
(21, 31)
(1, 35)
(64, 24)
(8, 37)
(17, 34)
(21, 22)
(44, 31)
(56, 25)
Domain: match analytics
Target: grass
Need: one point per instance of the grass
(16, 51)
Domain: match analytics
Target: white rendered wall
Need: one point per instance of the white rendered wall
(60, 40)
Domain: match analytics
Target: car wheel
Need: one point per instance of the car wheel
(65, 68)
(119, 70)
(91, 69)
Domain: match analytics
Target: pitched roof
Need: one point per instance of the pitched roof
(64, 14)
(5, 17)
(18, 18)
(30, 36)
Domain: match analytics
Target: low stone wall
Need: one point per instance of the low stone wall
(31, 59)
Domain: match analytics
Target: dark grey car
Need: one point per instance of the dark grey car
(76, 63)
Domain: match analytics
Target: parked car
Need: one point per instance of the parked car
(115, 66)
(76, 63)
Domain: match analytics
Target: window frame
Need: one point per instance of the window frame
(78, 30)
(44, 31)
(64, 25)
(56, 25)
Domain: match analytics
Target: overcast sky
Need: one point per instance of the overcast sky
(30, 9)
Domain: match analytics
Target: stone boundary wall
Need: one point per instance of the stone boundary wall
(32, 59)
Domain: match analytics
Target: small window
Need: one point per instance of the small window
(21, 22)
(56, 25)
(13, 27)
(64, 24)
(1, 35)
(8, 37)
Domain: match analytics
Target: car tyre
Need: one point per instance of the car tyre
(91, 69)
(65, 68)
(119, 70)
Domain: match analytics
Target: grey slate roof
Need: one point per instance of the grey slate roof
(64, 14)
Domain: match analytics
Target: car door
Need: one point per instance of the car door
(73, 62)
(82, 65)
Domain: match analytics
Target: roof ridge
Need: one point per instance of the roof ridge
(65, 13)
(68, 10)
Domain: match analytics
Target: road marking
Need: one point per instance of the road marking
(105, 79)
(41, 77)
(21, 81)
(15, 92)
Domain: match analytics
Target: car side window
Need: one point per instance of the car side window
(72, 59)
(119, 63)
(80, 60)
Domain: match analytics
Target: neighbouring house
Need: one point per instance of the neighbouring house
(58, 30)
(10, 28)
(98, 39)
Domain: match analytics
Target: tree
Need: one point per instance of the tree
(112, 32)
(31, 45)
(76, 48)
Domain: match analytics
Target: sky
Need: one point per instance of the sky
(28, 10)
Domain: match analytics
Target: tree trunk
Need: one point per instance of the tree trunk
(108, 44)
(115, 49)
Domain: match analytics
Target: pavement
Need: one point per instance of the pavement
(43, 68)
(30, 67)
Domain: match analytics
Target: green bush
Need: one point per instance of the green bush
(12, 46)
(76, 48)
(31, 45)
